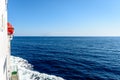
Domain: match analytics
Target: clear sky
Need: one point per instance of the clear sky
(65, 17)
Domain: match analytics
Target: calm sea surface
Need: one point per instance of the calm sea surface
(73, 58)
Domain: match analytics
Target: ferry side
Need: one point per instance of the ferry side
(4, 43)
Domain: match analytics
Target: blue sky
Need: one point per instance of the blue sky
(65, 17)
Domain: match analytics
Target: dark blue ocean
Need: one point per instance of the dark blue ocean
(72, 58)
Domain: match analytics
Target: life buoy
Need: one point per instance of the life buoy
(10, 29)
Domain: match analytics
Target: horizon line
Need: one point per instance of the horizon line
(59, 36)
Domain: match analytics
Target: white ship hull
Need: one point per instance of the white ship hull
(4, 43)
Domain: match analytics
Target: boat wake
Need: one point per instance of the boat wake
(25, 71)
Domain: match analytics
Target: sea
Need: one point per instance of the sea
(70, 58)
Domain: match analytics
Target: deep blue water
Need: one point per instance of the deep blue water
(73, 58)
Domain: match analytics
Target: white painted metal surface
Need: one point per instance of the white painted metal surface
(4, 42)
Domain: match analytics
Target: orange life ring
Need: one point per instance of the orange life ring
(10, 29)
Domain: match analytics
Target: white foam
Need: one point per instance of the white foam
(25, 71)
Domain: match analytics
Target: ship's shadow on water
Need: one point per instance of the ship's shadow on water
(72, 58)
